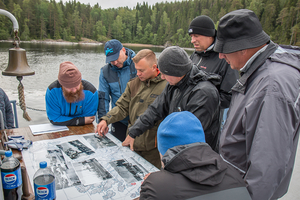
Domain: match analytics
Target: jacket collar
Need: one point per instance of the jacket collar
(153, 80)
(208, 51)
(240, 85)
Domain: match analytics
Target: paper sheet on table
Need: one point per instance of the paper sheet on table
(46, 128)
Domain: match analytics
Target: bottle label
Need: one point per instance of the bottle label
(11, 180)
(45, 192)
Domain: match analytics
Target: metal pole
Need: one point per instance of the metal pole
(12, 18)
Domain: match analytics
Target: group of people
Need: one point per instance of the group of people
(169, 110)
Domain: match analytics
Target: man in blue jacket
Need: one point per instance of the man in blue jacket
(113, 80)
(71, 101)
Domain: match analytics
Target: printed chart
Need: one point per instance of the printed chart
(89, 167)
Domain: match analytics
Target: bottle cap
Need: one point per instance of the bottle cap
(8, 153)
(43, 164)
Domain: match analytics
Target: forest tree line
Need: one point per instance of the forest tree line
(157, 24)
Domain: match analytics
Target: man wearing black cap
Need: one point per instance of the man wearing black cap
(113, 80)
(261, 133)
(202, 31)
(189, 89)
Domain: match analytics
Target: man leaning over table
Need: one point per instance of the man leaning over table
(71, 101)
(188, 89)
(138, 95)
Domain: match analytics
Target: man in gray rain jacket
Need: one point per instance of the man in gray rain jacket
(260, 134)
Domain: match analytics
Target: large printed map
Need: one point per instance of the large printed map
(89, 167)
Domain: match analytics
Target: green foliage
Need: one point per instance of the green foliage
(157, 24)
(26, 33)
(3, 35)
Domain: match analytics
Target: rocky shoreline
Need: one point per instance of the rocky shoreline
(86, 41)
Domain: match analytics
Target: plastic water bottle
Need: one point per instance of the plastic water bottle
(11, 177)
(44, 183)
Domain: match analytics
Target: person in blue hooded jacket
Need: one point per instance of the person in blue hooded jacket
(190, 168)
(113, 80)
(71, 101)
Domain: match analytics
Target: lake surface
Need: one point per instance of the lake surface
(45, 59)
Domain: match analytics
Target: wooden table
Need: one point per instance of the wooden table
(73, 130)
(26, 132)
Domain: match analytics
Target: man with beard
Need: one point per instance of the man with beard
(71, 101)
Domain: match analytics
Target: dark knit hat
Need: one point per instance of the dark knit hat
(69, 76)
(238, 30)
(179, 128)
(112, 50)
(174, 61)
(202, 25)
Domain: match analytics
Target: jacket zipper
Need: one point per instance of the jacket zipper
(76, 110)
(199, 62)
(70, 109)
(120, 86)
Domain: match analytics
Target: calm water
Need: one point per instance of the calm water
(45, 59)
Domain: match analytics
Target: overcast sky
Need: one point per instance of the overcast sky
(119, 3)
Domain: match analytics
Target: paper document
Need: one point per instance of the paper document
(46, 128)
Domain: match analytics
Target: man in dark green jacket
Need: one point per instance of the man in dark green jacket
(138, 95)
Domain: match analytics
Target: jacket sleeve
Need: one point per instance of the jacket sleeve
(104, 93)
(204, 104)
(121, 110)
(229, 78)
(157, 187)
(9, 123)
(271, 146)
(155, 112)
(54, 115)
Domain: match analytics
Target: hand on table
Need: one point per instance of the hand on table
(89, 120)
(102, 128)
(128, 142)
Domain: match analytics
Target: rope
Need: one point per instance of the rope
(22, 99)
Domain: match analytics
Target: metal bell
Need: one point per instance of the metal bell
(17, 64)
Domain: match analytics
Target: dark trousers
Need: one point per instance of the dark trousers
(151, 156)
(118, 130)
